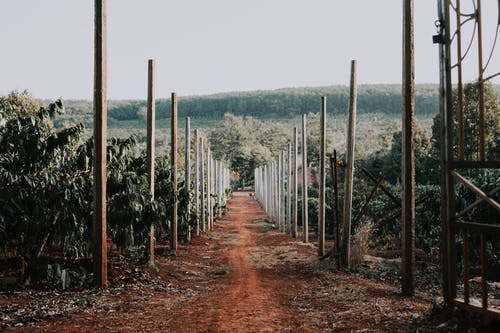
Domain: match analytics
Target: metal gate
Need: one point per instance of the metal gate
(468, 245)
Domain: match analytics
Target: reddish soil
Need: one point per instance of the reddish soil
(243, 276)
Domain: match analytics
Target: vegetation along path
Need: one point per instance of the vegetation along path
(244, 276)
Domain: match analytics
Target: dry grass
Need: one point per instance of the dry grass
(360, 243)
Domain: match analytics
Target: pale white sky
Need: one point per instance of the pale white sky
(208, 46)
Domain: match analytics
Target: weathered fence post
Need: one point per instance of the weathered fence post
(322, 179)
(173, 161)
(266, 188)
(150, 150)
(335, 179)
(349, 174)
(202, 177)
(187, 172)
(209, 189)
(289, 189)
(280, 193)
(295, 183)
(283, 191)
(99, 254)
(305, 214)
(197, 181)
(408, 157)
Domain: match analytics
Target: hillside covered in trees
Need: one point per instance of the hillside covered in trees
(272, 104)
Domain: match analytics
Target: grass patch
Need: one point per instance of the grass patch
(262, 224)
(202, 266)
(213, 235)
(222, 270)
(261, 260)
(325, 265)
(232, 236)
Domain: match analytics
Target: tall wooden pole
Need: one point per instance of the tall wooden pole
(280, 193)
(408, 157)
(202, 194)
(187, 162)
(209, 190)
(197, 181)
(305, 213)
(322, 180)
(283, 191)
(173, 160)
(295, 183)
(289, 190)
(349, 174)
(99, 255)
(150, 150)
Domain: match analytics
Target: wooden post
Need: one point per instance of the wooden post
(322, 179)
(173, 161)
(150, 150)
(305, 214)
(295, 183)
(335, 179)
(209, 190)
(265, 189)
(197, 181)
(202, 194)
(187, 164)
(221, 184)
(408, 157)
(214, 185)
(283, 191)
(279, 192)
(289, 190)
(99, 254)
(349, 174)
(276, 192)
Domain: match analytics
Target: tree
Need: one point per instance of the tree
(17, 104)
(471, 124)
(388, 163)
(246, 143)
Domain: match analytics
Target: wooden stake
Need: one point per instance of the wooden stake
(202, 177)
(209, 190)
(408, 157)
(289, 190)
(150, 150)
(349, 174)
(305, 214)
(173, 160)
(100, 261)
(322, 180)
(279, 181)
(295, 183)
(187, 162)
(197, 181)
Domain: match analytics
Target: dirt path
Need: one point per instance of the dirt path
(243, 276)
(247, 302)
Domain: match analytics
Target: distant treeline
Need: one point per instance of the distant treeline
(281, 103)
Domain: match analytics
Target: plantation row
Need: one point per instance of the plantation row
(46, 192)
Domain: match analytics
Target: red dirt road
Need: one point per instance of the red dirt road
(247, 302)
(241, 277)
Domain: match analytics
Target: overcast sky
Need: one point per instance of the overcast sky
(208, 46)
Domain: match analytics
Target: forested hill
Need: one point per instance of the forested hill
(280, 103)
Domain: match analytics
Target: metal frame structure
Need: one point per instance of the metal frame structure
(455, 165)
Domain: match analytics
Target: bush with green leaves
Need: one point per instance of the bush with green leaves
(46, 188)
